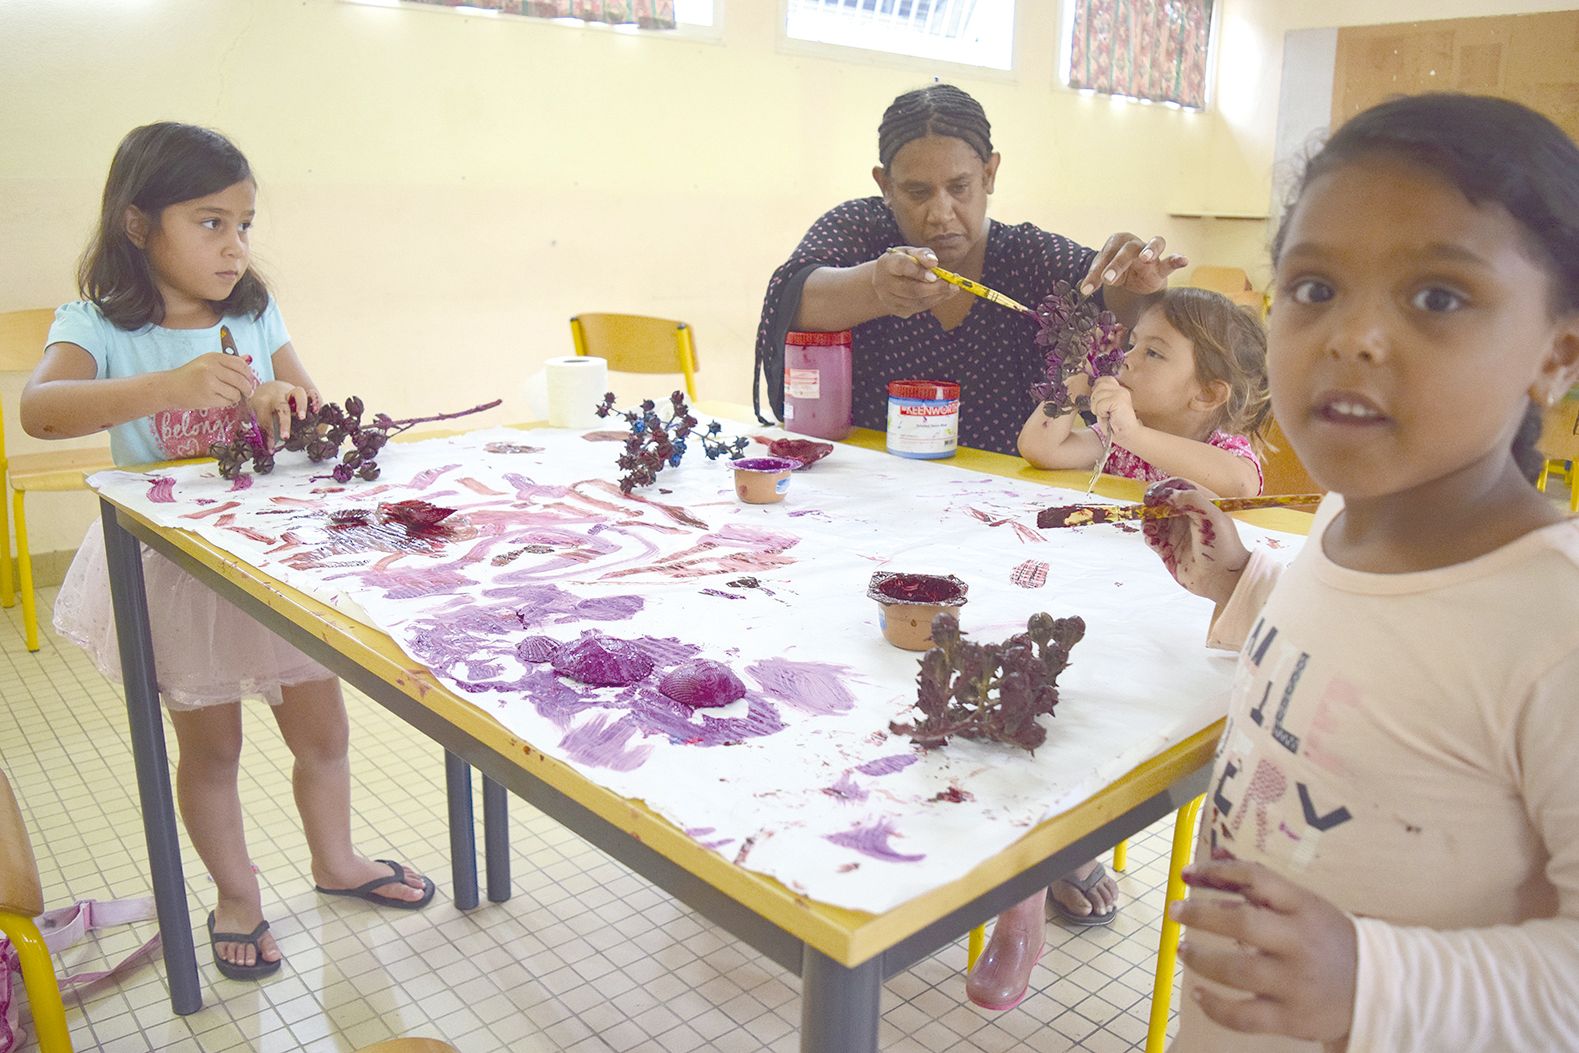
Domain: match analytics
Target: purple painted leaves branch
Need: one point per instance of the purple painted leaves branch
(991, 691)
(655, 444)
(320, 434)
(1076, 337)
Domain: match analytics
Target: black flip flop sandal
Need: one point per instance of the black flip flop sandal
(366, 890)
(232, 971)
(1085, 885)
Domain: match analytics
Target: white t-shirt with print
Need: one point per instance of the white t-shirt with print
(1407, 746)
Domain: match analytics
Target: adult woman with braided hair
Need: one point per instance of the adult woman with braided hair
(937, 168)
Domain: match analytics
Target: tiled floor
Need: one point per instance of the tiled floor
(585, 957)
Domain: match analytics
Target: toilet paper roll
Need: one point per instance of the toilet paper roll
(576, 384)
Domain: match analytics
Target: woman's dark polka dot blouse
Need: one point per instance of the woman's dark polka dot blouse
(992, 354)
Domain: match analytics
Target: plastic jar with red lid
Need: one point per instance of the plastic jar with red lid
(923, 418)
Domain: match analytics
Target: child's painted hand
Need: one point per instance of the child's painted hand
(1200, 548)
(905, 286)
(1294, 953)
(1136, 266)
(281, 401)
(1114, 407)
(210, 381)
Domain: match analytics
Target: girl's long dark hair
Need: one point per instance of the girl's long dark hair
(156, 166)
(1492, 150)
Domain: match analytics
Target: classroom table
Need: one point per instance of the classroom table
(842, 956)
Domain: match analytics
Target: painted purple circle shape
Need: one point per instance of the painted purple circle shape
(702, 683)
(603, 661)
(766, 464)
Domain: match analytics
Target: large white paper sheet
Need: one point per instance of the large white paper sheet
(801, 779)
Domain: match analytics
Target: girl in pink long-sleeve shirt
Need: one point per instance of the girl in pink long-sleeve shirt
(1389, 853)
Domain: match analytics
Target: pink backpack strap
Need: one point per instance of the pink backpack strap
(66, 926)
(61, 929)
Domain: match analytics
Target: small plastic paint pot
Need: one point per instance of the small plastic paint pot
(763, 480)
(923, 418)
(907, 603)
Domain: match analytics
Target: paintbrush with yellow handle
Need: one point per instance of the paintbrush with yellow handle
(1084, 515)
(971, 286)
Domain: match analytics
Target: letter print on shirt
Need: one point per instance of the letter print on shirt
(1274, 794)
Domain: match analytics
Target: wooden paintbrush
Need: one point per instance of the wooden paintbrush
(1085, 515)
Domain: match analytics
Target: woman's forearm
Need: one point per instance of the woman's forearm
(835, 298)
(67, 409)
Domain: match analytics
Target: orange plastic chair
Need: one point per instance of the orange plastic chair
(1232, 282)
(637, 343)
(22, 336)
(22, 900)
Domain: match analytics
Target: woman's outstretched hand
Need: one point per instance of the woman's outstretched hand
(1136, 266)
(1201, 547)
(905, 286)
(1294, 953)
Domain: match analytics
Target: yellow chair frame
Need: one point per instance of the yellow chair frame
(22, 900)
(1560, 445)
(22, 338)
(636, 343)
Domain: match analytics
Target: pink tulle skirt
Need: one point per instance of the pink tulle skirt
(206, 651)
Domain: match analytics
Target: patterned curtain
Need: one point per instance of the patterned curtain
(648, 14)
(1146, 49)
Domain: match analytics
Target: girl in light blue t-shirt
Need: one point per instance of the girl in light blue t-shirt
(141, 356)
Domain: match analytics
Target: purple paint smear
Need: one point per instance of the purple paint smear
(888, 765)
(456, 646)
(811, 687)
(240, 482)
(162, 490)
(605, 743)
(873, 841)
(846, 789)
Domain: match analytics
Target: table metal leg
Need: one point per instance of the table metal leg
(463, 838)
(839, 1007)
(496, 838)
(129, 599)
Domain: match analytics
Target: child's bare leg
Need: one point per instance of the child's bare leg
(313, 720)
(1102, 897)
(1002, 975)
(205, 780)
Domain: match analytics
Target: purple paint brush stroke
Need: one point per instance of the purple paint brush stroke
(873, 841)
(811, 687)
(240, 482)
(846, 789)
(888, 765)
(603, 743)
(162, 490)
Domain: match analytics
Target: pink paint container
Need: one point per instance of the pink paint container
(817, 384)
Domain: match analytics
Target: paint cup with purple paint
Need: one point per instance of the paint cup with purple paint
(907, 603)
(763, 480)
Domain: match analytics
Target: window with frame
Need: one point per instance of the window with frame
(1149, 50)
(619, 14)
(968, 32)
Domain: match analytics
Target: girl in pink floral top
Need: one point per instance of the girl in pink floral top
(1189, 400)
(1190, 397)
